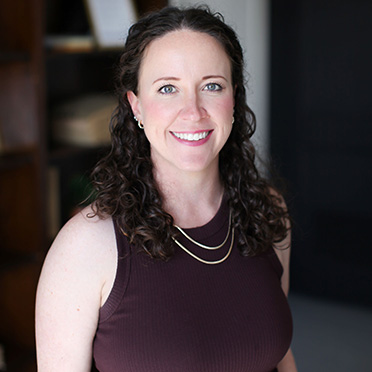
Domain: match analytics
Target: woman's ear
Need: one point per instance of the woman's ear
(134, 103)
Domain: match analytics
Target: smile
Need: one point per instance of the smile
(191, 136)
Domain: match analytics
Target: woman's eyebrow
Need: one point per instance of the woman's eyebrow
(173, 78)
(166, 78)
(214, 77)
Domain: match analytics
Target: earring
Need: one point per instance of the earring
(233, 120)
(140, 124)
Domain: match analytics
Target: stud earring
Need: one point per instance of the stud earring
(233, 120)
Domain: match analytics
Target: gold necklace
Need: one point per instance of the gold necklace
(206, 246)
(205, 261)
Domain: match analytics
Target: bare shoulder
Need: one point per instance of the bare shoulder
(76, 278)
(85, 236)
(86, 228)
(278, 196)
(283, 248)
(85, 249)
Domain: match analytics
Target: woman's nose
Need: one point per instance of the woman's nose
(193, 109)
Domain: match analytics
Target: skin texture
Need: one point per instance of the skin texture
(184, 87)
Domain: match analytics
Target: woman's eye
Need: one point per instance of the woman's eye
(213, 87)
(167, 89)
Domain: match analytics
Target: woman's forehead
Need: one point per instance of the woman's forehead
(185, 49)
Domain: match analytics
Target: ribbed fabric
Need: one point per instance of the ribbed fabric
(186, 316)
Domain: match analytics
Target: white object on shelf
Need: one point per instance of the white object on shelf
(110, 20)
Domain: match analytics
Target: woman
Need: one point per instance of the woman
(181, 263)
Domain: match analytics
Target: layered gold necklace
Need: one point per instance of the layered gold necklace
(230, 230)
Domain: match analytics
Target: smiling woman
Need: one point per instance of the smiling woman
(197, 99)
(182, 262)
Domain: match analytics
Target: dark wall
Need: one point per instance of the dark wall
(321, 140)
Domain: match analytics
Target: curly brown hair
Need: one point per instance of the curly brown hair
(124, 181)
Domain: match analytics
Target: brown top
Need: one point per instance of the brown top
(186, 316)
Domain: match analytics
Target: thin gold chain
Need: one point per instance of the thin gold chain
(207, 246)
(205, 261)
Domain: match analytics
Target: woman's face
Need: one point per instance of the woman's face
(185, 100)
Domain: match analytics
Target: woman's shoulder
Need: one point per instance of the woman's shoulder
(88, 220)
(84, 247)
(278, 196)
(76, 278)
(86, 230)
(283, 248)
(87, 234)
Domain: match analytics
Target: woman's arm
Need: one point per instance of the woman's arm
(71, 290)
(288, 363)
(283, 251)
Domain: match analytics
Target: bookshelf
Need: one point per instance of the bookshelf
(47, 55)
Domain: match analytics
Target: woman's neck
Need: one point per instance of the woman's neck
(192, 198)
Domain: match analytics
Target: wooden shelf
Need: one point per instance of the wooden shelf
(14, 56)
(63, 153)
(19, 358)
(16, 158)
(59, 44)
(10, 260)
(83, 52)
(39, 71)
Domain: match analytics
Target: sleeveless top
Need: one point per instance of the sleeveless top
(186, 316)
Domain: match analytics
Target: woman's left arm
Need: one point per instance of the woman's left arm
(288, 363)
(283, 250)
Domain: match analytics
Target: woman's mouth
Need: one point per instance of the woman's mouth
(192, 137)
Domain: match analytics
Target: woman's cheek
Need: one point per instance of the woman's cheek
(161, 111)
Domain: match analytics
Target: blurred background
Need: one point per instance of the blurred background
(309, 76)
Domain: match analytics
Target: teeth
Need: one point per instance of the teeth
(190, 136)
